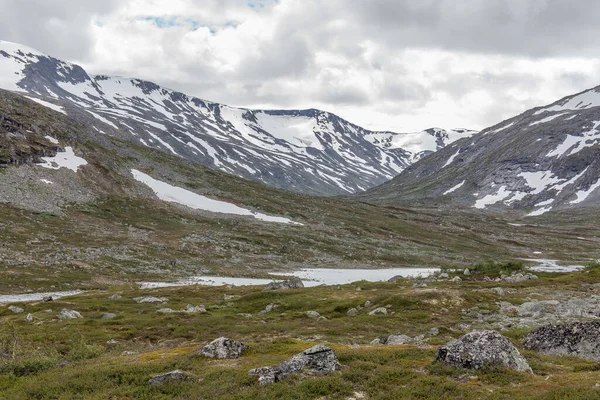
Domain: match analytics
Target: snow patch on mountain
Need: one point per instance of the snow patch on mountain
(66, 159)
(178, 195)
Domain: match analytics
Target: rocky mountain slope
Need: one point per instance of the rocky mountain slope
(544, 159)
(308, 151)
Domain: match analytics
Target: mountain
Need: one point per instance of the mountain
(308, 151)
(544, 159)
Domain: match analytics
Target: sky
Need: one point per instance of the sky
(399, 65)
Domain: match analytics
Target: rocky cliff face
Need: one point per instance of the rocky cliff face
(544, 159)
(308, 151)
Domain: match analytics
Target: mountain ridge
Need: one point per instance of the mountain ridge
(309, 151)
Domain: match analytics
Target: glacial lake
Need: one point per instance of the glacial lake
(310, 277)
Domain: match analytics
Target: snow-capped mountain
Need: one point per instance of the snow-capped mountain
(545, 159)
(309, 151)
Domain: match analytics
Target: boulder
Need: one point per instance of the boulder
(149, 299)
(419, 284)
(46, 299)
(519, 277)
(115, 297)
(69, 314)
(480, 349)
(396, 339)
(466, 272)
(165, 311)
(223, 348)
(352, 312)
(395, 279)
(579, 339)
(443, 275)
(173, 376)
(456, 279)
(15, 309)
(29, 318)
(195, 309)
(312, 314)
(380, 310)
(317, 360)
(108, 315)
(294, 283)
(368, 304)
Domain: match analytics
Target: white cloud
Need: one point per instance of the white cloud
(384, 64)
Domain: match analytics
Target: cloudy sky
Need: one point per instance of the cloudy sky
(400, 65)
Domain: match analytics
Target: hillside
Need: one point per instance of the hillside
(542, 160)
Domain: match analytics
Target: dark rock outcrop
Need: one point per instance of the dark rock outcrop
(318, 360)
(294, 283)
(579, 339)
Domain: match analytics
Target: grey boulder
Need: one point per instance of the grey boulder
(69, 314)
(149, 299)
(15, 309)
(481, 349)
(380, 310)
(579, 339)
(317, 360)
(294, 283)
(223, 348)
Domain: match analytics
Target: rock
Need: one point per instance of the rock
(247, 316)
(128, 353)
(15, 309)
(46, 299)
(419, 284)
(466, 272)
(195, 309)
(358, 307)
(165, 310)
(312, 314)
(352, 312)
(444, 310)
(434, 332)
(69, 314)
(380, 310)
(480, 349)
(29, 318)
(112, 341)
(230, 297)
(395, 279)
(579, 339)
(456, 279)
(530, 309)
(499, 291)
(397, 339)
(115, 297)
(519, 277)
(318, 360)
(376, 341)
(443, 275)
(173, 376)
(294, 283)
(149, 299)
(223, 348)
(108, 316)
(368, 304)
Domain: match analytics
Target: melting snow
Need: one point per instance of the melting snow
(451, 159)
(51, 139)
(539, 212)
(493, 198)
(46, 181)
(175, 194)
(583, 194)
(66, 159)
(453, 189)
(588, 99)
(49, 105)
(547, 119)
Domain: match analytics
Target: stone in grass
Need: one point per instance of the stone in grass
(195, 309)
(108, 315)
(223, 348)
(15, 309)
(578, 339)
(380, 310)
(294, 283)
(165, 310)
(352, 312)
(368, 304)
(69, 314)
(173, 376)
(149, 299)
(29, 318)
(481, 349)
(317, 360)
(115, 297)
(312, 314)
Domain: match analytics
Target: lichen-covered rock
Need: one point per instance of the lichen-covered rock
(15, 309)
(173, 376)
(294, 283)
(149, 299)
(317, 360)
(69, 314)
(579, 339)
(223, 348)
(480, 349)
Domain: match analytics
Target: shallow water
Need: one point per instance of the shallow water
(310, 277)
(19, 298)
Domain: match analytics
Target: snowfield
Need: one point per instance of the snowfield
(178, 195)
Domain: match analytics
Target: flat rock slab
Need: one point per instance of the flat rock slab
(578, 339)
(173, 376)
(481, 349)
